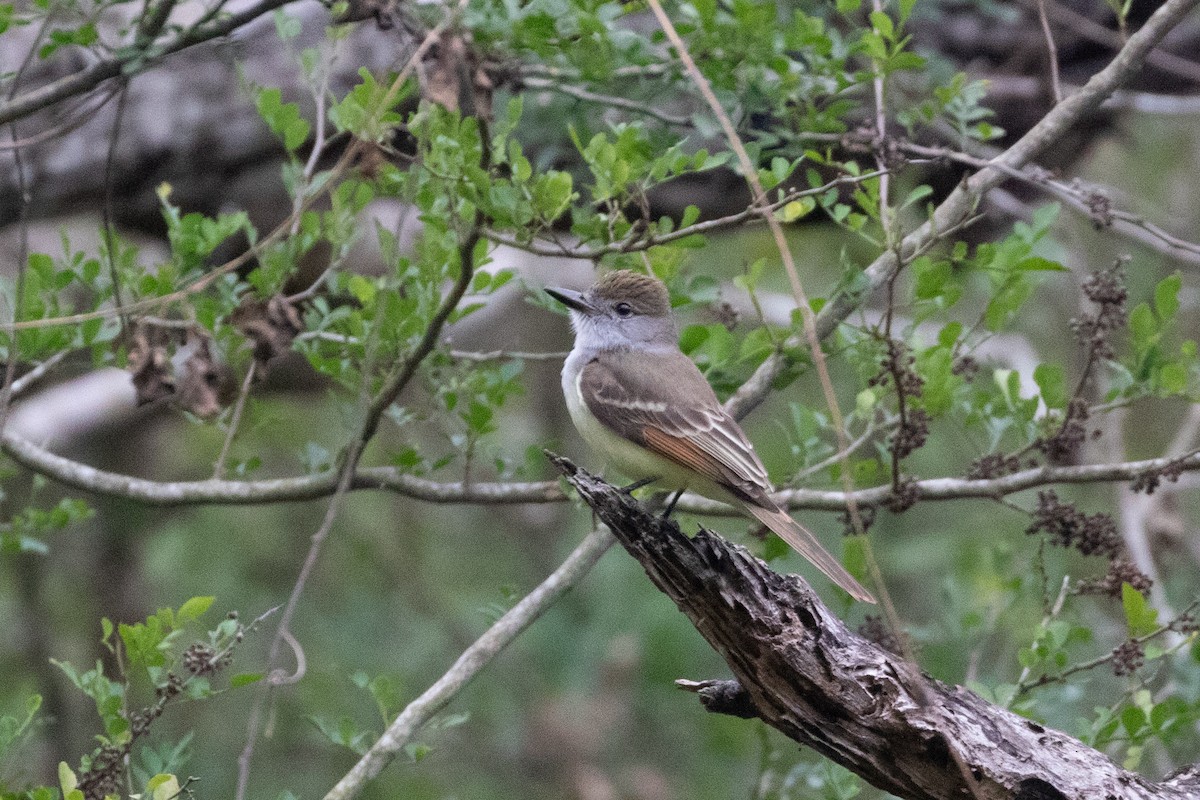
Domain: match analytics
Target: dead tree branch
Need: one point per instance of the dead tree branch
(802, 671)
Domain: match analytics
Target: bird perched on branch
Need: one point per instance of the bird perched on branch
(643, 405)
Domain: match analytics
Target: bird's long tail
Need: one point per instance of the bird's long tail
(807, 545)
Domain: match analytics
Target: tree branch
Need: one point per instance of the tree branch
(802, 671)
(323, 484)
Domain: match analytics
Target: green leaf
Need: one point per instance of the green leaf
(1133, 719)
(194, 609)
(1142, 326)
(1052, 383)
(1173, 378)
(245, 679)
(1166, 296)
(796, 209)
(286, 26)
(282, 118)
(417, 751)
(882, 23)
(66, 778)
(854, 556)
(917, 195)
(1140, 616)
(163, 787)
(1039, 264)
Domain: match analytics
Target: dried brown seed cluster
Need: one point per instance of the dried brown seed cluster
(1106, 289)
(966, 367)
(866, 516)
(1067, 526)
(993, 465)
(1120, 571)
(200, 659)
(1150, 480)
(896, 368)
(103, 774)
(176, 363)
(904, 498)
(1128, 657)
(1062, 446)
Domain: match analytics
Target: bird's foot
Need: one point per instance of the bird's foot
(633, 487)
(671, 504)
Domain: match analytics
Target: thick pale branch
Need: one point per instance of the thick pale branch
(313, 487)
(802, 671)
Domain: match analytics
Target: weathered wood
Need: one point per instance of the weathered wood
(802, 671)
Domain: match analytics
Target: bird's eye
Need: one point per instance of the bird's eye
(623, 310)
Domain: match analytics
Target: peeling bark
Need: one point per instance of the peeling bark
(803, 672)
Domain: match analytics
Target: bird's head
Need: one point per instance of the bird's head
(623, 309)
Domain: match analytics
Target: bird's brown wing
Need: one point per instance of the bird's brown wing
(665, 405)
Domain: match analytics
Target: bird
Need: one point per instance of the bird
(642, 404)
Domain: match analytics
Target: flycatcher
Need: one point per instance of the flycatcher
(639, 401)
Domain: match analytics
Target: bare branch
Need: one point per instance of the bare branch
(802, 671)
(579, 93)
(1051, 51)
(1091, 200)
(311, 487)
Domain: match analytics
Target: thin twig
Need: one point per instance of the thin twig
(84, 113)
(320, 94)
(579, 93)
(1088, 199)
(1051, 613)
(30, 379)
(107, 208)
(234, 422)
(1051, 51)
(505, 355)
(839, 456)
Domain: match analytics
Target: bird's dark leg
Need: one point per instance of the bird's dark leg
(671, 503)
(633, 487)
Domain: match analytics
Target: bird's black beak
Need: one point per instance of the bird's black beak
(576, 301)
